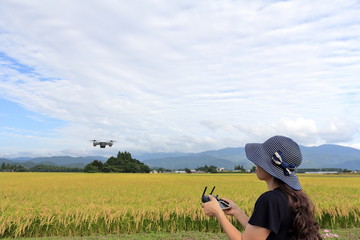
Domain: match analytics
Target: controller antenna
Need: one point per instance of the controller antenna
(204, 191)
(212, 190)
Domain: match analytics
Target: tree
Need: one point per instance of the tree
(98, 164)
(3, 167)
(241, 168)
(187, 170)
(212, 169)
(206, 168)
(107, 168)
(123, 162)
(94, 166)
(91, 168)
(20, 168)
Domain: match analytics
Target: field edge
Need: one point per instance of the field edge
(339, 234)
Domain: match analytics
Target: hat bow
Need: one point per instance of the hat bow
(277, 159)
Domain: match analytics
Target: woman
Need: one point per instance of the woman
(283, 212)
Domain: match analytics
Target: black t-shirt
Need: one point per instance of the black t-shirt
(272, 211)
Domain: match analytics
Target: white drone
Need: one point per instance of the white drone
(103, 144)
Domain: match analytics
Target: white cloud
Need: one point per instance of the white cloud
(304, 131)
(152, 74)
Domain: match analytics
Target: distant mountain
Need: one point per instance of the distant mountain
(65, 161)
(193, 161)
(233, 154)
(147, 156)
(20, 159)
(333, 150)
(226, 158)
(324, 156)
(352, 165)
(330, 156)
(4, 160)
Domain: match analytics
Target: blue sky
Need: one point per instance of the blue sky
(176, 75)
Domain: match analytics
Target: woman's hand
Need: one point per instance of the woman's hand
(234, 210)
(212, 208)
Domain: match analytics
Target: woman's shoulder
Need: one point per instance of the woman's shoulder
(275, 195)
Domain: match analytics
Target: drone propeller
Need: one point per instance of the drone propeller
(102, 143)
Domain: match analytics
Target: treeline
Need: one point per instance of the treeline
(339, 170)
(5, 167)
(215, 169)
(46, 168)
(122, 163)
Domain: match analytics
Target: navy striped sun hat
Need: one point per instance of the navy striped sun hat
(279, 156)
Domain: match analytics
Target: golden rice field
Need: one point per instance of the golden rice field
(70, 204)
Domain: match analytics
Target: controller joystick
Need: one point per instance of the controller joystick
(223, 204)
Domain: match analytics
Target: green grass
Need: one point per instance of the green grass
(144, 236)
(344, 234)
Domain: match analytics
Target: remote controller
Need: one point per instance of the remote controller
(223, 204)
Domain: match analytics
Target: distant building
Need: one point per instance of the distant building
(221, 169)
(322, 172)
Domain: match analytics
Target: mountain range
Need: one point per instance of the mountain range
(323, 156)
(66, 161)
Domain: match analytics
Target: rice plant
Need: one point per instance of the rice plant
(74, 204)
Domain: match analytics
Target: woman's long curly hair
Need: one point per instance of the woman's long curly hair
(304, 226)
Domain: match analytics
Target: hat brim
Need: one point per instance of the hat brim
(256, 153)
